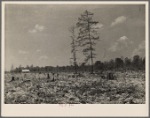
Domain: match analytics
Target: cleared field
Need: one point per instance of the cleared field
(35, 88)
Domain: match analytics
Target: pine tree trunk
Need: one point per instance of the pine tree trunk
(91, 55)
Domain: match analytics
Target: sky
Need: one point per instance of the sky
(39, 35)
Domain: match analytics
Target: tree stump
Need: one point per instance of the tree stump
(110, 76)
(13, 78)
(53, 76)
(48, 77)
(102, 76)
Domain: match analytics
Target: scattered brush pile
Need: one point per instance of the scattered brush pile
(126, 88)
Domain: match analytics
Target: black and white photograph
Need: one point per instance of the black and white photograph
(75, 54)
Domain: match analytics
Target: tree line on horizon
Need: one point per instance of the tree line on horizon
(117, 64)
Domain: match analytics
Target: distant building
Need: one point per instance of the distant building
(25, 70)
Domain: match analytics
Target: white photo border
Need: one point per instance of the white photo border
(77, 110)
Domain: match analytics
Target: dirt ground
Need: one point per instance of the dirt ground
(34, 88)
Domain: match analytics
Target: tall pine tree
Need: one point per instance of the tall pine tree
(73, 46)
(87, 36)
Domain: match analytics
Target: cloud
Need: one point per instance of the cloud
(44, 57)
(121, 43)
(119, 20)
(123, 38)
(125, 41)
(38, 50)
(140, 49)
(37, 28)
(22, 52)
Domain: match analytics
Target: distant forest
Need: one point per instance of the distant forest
(117, 64)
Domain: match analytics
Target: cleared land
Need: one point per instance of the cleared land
(34, 88)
